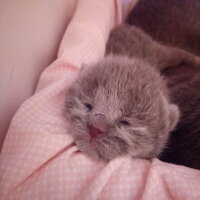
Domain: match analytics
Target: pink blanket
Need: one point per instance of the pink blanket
(39, 160)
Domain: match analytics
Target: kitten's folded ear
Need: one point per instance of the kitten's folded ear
(171, 57)
(174, 115)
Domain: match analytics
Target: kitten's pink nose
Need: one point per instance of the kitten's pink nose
(97, 125)
(94, 131)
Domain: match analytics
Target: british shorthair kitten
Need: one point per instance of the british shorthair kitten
(120, 106)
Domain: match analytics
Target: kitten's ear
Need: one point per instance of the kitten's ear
(171, 57)
(174, 115)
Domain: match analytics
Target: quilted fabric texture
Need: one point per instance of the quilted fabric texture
(39, 160)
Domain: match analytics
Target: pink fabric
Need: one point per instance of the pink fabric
(39, 160)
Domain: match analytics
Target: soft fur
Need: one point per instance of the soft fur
(135, 43)
(121, 89)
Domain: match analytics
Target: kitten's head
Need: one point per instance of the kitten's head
(120, 106)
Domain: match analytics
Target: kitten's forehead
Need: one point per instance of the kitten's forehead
(121, 84)
(124, 78)
(108, 103)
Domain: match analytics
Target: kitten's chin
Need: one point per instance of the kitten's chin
(96, 150)
(89, 149)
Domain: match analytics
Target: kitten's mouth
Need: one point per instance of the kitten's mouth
(94, 136)
(94, 141)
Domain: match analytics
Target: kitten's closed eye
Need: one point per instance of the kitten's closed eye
(124, 123)
(88, 106)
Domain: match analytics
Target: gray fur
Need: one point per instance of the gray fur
(134, 42)
(120, 88)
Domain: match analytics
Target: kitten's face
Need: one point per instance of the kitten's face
(120, 107)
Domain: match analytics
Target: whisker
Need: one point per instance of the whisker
(141, 129)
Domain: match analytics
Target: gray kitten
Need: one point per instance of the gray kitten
(121, 104)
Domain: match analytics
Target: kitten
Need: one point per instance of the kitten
(177, 23)
(121, 105)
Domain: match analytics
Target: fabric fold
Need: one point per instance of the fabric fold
(38, 160)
